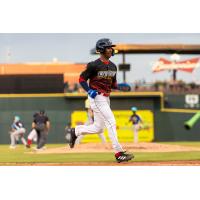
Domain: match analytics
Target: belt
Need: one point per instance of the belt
(103, 94)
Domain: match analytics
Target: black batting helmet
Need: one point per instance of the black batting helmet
(102, 44)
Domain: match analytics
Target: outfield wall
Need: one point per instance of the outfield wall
(168, 124)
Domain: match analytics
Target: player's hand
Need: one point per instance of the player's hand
(92, 93)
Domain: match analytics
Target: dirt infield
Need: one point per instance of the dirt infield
(130, 147)
(98, 148)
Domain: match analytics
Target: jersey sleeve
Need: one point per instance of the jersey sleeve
(87, 73)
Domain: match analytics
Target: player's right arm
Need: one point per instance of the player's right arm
(84, 77)
(130, 119)
(12, 127)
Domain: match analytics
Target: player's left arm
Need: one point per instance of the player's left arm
(114, 83)
(125, 87)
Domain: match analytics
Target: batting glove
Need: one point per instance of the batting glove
(92, 93)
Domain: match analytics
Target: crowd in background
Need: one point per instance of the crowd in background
(179, 87)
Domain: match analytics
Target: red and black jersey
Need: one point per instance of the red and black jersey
(101, 76)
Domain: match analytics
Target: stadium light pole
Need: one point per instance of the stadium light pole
(174, 57)
(124, 72)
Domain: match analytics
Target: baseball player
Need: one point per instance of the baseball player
(17, 131)
(33, 134)
(101, 74)
(90, 120)
(136, 121)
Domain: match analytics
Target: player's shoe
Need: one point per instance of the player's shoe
(123, 157)
(70, 136)
(28, 146)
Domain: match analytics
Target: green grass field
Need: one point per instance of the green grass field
(21, 155)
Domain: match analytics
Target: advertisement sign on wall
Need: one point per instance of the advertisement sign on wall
(124, 127)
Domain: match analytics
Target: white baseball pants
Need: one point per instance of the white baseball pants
(136, 128)
(103, 116)
(89, 122)
(16, 134)
(32, 135)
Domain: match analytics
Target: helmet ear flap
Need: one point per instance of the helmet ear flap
(101, 50)
(113, 52)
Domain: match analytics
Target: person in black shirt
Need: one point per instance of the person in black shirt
(101, 75)
(41, 124)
